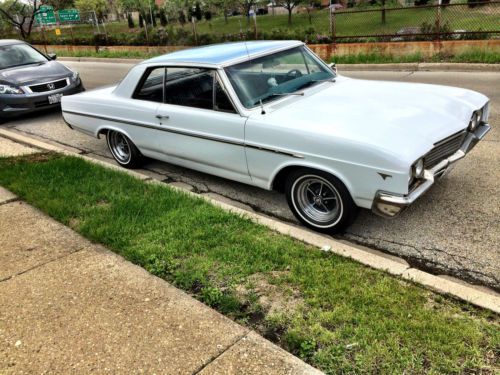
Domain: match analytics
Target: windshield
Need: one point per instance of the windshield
(270, 77)
(19, 54)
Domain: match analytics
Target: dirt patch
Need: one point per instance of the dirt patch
(74, 223)
(271, 293)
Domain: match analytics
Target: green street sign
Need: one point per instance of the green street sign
(45, 15)
(69, 15)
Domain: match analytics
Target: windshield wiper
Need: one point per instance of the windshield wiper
(313, 81)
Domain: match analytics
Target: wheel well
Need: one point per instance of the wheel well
(102, 132)
(280, 178)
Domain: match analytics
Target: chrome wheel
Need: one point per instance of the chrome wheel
(317, 201)
(120, 147)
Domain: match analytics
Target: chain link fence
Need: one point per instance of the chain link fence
(335, 24)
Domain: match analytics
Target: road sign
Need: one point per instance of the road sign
(69, 15)
(45, 15)
(58, 32)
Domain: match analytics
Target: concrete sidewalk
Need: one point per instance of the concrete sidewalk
(70, 306)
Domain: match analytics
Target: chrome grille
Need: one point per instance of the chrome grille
(49, 86)
(444, 148)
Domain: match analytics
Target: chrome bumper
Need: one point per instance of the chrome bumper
(390, 205)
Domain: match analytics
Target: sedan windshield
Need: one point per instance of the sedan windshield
(270, 77)
(19, 54)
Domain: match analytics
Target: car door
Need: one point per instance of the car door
(198, 126)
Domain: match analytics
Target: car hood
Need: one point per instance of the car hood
(35, 73)
(402, 118)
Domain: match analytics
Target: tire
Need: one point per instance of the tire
(123, 150)
(319, 200)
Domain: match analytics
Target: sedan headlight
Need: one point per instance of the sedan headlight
(418, 168)
(75, 77)
(11, 90)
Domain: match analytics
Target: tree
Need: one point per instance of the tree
(207, 15)
(20, 15)
(288, 5)
(182, 17)
(163, 17)
(100, 7)
(130, 21)
(60, 4)
(141, 21)
(247, 5)
(225, 5)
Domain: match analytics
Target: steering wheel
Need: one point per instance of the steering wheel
(294, 73)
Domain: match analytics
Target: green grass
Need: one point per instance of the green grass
(473, 55)
(336, 314)
(470, 56)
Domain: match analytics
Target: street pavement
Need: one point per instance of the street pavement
(454, 229)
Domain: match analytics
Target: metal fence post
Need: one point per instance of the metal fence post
(438, 21)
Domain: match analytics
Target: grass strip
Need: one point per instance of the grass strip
(474, 55)
(336, 314)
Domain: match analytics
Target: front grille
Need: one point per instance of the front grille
(50, 86)
(444, 148)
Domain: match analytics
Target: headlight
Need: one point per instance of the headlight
(475, 120)
(75, 77)
(418, 168)
(6, 89)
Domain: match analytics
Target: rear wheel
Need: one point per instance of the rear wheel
(123, 150)
(320, 200)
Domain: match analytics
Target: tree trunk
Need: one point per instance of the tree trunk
(289, 16)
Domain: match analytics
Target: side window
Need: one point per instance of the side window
(222, 101)
(151, 87)
(189, 87)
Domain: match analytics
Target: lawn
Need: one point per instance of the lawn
(336, 314)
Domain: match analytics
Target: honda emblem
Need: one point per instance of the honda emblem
(51, 86)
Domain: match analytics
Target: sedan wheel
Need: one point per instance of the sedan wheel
(319, 200)
(123, 150)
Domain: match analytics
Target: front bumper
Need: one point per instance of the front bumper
(13, 105)
(391, 205)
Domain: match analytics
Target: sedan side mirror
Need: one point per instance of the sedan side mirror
(333, 67)
(52, 56)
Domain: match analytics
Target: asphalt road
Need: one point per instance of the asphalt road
(454, 229)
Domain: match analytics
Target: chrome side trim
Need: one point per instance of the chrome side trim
(188, 134)
(397, 203)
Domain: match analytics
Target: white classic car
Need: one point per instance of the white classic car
(274, 115)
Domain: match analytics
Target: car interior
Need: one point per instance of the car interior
(189, 87)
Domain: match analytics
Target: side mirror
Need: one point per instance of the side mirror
(333, 67)
(52, 56)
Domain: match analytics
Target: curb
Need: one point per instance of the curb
(395, 266)
(411, 67)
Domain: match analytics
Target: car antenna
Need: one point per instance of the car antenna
(262, 111)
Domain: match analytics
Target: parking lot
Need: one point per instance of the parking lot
(454, 229)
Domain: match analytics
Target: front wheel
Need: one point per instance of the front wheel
(320, 200)
(123, 150)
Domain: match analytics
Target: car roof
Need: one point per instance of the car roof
(8, 42)
(225, 53)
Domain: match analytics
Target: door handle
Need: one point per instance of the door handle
(161, 117)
